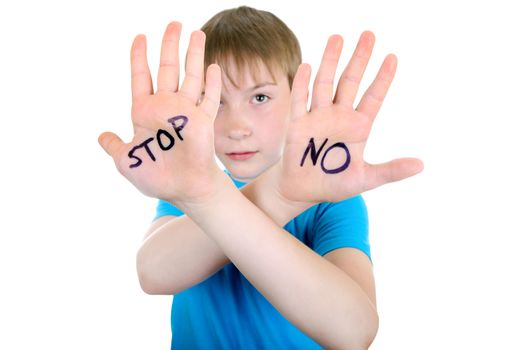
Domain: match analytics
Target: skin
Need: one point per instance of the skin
(253, 116)
(329, 298)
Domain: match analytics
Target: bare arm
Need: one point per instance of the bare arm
(314, 294)
(180, 254)
(176, 254)
(318, 295)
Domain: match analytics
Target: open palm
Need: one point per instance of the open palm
(323, 155)
(171, 155)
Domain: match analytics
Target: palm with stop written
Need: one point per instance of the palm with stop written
(171, 155)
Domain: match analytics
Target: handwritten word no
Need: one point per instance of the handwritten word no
(314, 154)
(164, 139)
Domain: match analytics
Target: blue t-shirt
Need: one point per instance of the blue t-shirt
(226, 312)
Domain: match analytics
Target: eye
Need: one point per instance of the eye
(260, 98)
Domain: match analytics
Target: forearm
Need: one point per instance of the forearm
(263, 193)
(313, 294)
(178, 254)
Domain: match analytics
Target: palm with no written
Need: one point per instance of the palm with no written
(323, 155)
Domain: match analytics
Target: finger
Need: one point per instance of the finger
(168, 76)
(212, 90)
(300, 91)
(392, 171)
(353, 73)
(191, 86)
(323, 88)
(111, 143)
(375, 94)
(140, 76)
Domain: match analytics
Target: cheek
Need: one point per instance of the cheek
(279, 121)
(272, 130)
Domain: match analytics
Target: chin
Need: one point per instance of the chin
(244, 175)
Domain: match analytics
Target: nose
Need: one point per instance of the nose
(239, 133)
(238, 126)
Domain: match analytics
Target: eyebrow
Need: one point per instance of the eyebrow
(255, 87)
(261, 85)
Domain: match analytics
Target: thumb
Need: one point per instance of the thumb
(395, 170)
(110, 142)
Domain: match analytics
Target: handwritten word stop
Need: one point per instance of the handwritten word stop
(164, 139)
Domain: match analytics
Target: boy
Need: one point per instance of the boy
(239, 279)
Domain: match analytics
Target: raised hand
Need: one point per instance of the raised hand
(323, 155)
(171, 155)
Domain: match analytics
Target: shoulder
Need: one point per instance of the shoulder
(349, 209)
(353, 209)
(339, 225)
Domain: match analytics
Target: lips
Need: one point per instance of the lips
(241, 155)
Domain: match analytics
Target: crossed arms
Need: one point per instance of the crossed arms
(330, 298)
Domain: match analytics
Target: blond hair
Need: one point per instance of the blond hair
(247, 37)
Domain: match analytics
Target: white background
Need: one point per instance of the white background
(447, 244)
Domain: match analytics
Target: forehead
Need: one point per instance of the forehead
(247, 74)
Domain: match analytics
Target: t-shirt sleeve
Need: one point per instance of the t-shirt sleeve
(341, 225)
(164, 208)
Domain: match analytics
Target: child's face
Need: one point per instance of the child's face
(251, 124)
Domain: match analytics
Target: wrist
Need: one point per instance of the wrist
(265, 193)
(217, 185)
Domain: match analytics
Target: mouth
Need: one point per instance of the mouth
(240, 155)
